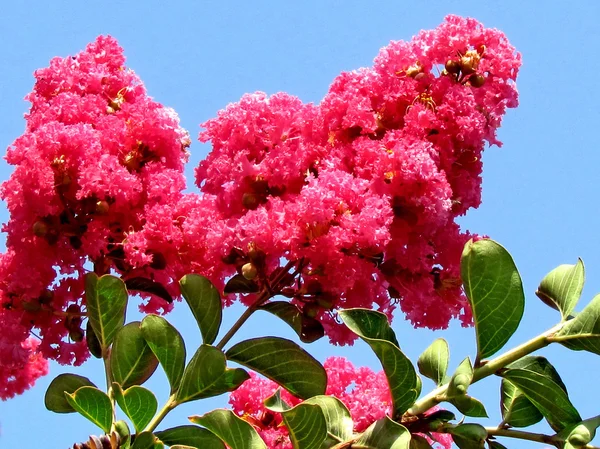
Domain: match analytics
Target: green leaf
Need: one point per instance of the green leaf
(562, 287)
(495, 445)
(517, 410)
(138, 403)
(145, 285)
(92, 341)
(582, 333)
(122, 430)
(419, 442)
(433, 363)
(55, 399)
(547, 396)
(275, 403)
(469, 406)
(384, 434)
(230, 380)
(132, 361)
(579, 434)
(106, 299)
(337, 418)
(202, 373)
(374, 329)
(234, 431)
(461, 379)
(306, 425)
(239, 284)
(205, 303)
(192, 436)
(469, 436)
(144, 440)
(308, 329)
(284, 362)
(92, 404)
(167, 345)
(495, 291)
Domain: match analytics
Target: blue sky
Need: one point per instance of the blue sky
(540, 190)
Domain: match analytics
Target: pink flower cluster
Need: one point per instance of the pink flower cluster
(97, 157)
(365, 393)
(359, 193)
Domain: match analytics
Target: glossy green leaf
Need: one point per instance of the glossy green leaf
(55, 399)
(433, 363)
(461, 379)
(230, 428)
(230, 380)
(469, 436)
(124, 433)
(144, 440)
(92, 341)
(308, 329)
(239, 284)
(337, 418)
(495, 291)
(306, 425)
(192, 436)
(132, 361)
(167, 345)
(582, 333)
(284, 362)
(517, 410)
(275, 403)
(205, 302)
(138, 403)
(374, 329)
(92, 404)
(106, 300)
(495, 445)
(201, 374)
(547, 396)
(384, 434)
(539, 365)
(469, 406)
(562, 287)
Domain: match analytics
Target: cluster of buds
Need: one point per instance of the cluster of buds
(464, 69)
(111, 441)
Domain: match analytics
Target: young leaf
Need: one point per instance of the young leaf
(234, 431)
(582, 333)
(138, 403)
(306, 425)
(205, 303)
(106, 299)
(146, 285)
(517, 410)
(132, 361)
(55, 399)
(308, 329)
(469, 406)
(495, 291)
(201, 374)
(93, 404)
(337, 418)
(167, 345)
(239, 284)
(548, 397)
(461, 379)
(562, 287)
(580, 434)
(192, 436)
(122, 430)
(469, 436)
(275, 403)
(144, 440)
(284, 362)
(433, 363)
(384, 434)
(374, 329)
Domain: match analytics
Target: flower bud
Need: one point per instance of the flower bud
(477, 80)
(31, 306)
(76, 334)
(311, 310)
(580, 436)
(249, 271)
(102, 207)
(158, 261)
(460, 383)
(40, 229)
(452, 66)
(250, 201)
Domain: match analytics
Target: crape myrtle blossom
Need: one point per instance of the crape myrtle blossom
(364, 392)
(363, 189)
(98, 156)
(358, 194)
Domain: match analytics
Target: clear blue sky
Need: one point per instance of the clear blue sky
(540, 193)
